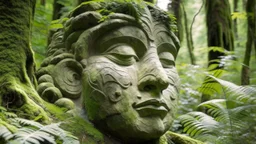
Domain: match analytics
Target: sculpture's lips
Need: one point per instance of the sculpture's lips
(152, 107)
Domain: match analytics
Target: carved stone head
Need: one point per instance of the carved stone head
(117, 61)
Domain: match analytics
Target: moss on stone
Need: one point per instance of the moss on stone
(51, 94)
(180, 139)
(85, 131)
(163, 140)
(66, 103)
(56, 113)
(8, 126)
(45, 78)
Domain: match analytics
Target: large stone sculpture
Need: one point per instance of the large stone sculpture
(116, 62)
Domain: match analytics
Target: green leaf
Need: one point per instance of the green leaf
(56, 26)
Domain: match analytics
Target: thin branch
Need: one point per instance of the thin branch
(193, 20)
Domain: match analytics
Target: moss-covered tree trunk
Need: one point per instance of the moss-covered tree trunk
(175, 8)
(219, 34)
(251, 30)
(219, 28)
(17, 80)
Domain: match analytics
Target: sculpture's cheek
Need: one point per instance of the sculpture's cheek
(171, 97)
(106, 82)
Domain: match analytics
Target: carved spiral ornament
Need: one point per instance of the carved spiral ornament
(67, 77)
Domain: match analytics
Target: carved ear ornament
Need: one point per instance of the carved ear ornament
(60, 77)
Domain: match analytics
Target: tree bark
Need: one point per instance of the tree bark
(250, 9)
(55, 15)
(17, 79)
(235, 20)
(42, 2)
(219, 34)
(175, 8)
(188, 38)
(219, 28)
(56, 10)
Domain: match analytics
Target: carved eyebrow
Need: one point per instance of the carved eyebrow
(129, 35)
(138, 46)
(167, 47)
(165, 42)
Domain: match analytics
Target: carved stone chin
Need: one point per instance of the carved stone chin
(125, 67)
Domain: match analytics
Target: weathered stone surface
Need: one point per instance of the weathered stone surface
(66, 103)
(51, 94)
(116, 62)
(45, 78)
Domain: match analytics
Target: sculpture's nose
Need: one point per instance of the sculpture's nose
(152, 76)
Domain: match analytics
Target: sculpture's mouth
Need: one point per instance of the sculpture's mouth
(151, 107)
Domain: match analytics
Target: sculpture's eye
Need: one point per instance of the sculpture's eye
(121, 54)
(167, 60)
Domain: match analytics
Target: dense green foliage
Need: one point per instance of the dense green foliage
(213, 114)
(229, 117)
(18, 130)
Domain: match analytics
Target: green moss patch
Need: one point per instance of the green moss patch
(85, 131)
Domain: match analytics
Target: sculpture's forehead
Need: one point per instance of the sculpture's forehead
(129, 32)
(133, 34)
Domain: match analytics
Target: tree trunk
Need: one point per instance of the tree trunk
(56, 10)
(250, 8)
(254, 33)
(219, 28)
(244, 4)
(176, 9)
(17, 66)
(189, 39)
(235, 20)
(219, 32)
(56, 15)
(42, 2)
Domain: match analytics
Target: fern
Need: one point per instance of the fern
(30, 136)
(5, 133)
(31, 132)
(197, 123)
(245, 94)
(231, 119)
(216, 108)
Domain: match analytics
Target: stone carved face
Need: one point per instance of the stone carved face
(125, 69)
(130, 84)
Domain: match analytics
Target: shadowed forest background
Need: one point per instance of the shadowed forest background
(216, 64)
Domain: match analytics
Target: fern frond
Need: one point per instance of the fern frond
(216, 108)
(65, 136)
(25, 122)
(246, 94)
(5, 133)
(31, 132)
(10, 115)
(197, 123)
(2, 109)
(32, 136)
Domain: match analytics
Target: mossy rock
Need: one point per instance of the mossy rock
(65, 103)
(84, 130)
(45, 78)
(175, 138)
